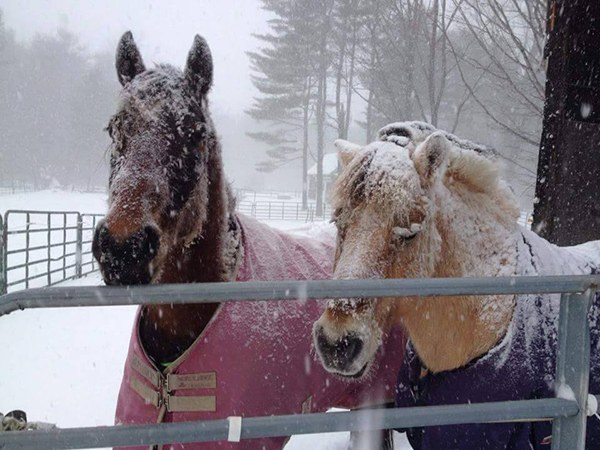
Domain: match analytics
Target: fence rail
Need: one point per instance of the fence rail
(273, 210)
(17, 188)
(573, 351)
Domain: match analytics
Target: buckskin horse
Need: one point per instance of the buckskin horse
(171, 219)
(421, 203)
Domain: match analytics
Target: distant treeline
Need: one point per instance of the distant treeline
(55, 101)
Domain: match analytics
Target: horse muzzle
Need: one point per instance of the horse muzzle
(344, 355)
(126, 261)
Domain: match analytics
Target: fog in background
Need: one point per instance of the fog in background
(351, 66)
(58, 84)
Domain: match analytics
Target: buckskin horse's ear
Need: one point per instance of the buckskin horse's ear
(346, 151)
(129, 60)
(431, 156)
(199, 67)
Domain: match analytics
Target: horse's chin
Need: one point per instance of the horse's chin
(362, 373)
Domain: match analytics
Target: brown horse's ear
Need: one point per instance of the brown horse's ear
(431, 156)
(199, 67)
(129, 60)
(346, 151)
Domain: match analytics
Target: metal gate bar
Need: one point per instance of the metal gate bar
(256, 427)
(85, 243)
(572, 365)
(60, 297)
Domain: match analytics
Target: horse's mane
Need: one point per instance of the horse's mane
(475, 165)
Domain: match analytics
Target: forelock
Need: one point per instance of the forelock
(157, 91)
(381, 173)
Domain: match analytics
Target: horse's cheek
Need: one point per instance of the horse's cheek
(186, 224)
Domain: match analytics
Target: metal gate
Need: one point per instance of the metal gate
(569, 416)
(43, 248)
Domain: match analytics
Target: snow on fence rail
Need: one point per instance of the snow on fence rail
(43, 248)
(572, 368)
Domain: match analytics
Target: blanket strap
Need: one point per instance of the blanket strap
(170, 383)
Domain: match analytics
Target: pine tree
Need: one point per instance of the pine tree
(285, 78)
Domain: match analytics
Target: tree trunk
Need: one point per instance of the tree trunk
(349, 89)
(433, 112)
(414, 10)
(305, 127)
(339, 105)
(321, 105)
(370, 125)
(567, 211)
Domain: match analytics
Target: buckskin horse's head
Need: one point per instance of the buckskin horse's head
(381, 205)
(162, 144)
(406, 208)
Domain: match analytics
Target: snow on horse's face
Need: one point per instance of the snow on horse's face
(162, 138)
(382, 202)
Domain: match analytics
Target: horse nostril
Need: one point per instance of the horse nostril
(351, 346)
(100, 241)
(340, 353)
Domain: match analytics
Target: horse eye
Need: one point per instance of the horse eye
(404, 234)
(197, 134)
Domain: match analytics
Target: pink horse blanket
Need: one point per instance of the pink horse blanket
(255, 358)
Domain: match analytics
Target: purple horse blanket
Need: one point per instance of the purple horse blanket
(520, 367)
(255, 358)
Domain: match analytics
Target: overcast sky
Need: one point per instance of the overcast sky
(164, 31)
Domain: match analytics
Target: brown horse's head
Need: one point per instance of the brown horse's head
(415, 206)
(162, 144)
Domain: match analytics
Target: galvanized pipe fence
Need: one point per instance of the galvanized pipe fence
(14, 187)
(44, 248)
(569, 416)
(282, 210)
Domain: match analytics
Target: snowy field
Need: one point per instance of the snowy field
(64, 366)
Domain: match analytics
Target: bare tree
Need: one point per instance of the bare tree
(406, 67)
(509, 39)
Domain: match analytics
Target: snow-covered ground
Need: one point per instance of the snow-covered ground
(64, 366)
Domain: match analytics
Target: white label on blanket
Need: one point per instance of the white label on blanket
(235, 429)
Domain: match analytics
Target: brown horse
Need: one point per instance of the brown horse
(421, 203)
(172, 219)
